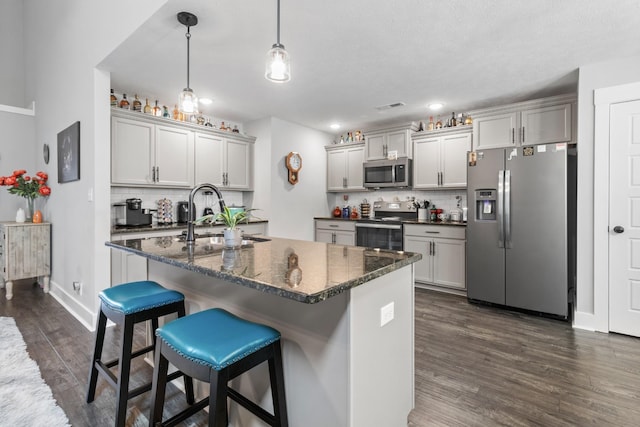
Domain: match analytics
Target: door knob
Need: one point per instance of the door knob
(618, 229)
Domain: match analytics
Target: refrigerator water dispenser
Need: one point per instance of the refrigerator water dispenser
(486, 205)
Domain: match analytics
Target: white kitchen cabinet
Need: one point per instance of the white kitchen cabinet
(379, 143)
(144, 153)
(443, 254)
(223, 161)
(148, 151)
(25, 252)
(340, 232)
(344, 167)
(542, 121)
(440, 158)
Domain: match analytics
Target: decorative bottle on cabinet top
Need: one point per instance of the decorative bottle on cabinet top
(114, 100)
(124, 103)
(137, 105)
(147, 107)
(157, 111)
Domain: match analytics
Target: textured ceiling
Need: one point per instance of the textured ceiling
(350, 56)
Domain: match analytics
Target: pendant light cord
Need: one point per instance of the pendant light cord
(278, 26)
(188, 36)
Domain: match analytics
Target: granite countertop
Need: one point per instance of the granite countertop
(327, 269)
(174, 226)
(404, 221)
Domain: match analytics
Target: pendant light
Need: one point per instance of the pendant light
(278, 67)
(188, 100)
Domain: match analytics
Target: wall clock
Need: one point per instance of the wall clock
(293, 162)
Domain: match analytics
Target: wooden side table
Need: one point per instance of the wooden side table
(25, 252)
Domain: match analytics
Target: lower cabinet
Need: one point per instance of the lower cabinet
(340, 232)
(443, 254)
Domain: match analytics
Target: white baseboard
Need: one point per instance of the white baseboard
(586, 321)
(76, 309)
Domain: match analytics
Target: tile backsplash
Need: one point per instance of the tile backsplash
(444, 199)
(150, 196)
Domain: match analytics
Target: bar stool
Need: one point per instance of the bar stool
(126, 305)
(215, 346)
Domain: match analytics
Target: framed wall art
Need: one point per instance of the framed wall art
(69, 154)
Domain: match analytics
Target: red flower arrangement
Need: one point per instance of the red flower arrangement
(26, 186)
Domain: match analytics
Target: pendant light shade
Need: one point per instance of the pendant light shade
(278, 67)
(188, 100)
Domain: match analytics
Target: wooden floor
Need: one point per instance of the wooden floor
(475, 366)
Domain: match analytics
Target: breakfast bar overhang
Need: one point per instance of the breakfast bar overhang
(346, 315)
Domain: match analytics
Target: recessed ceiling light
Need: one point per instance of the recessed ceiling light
(334, 126)
(436, 106)
(206, 101)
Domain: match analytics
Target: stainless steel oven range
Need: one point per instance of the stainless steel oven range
(384, 229)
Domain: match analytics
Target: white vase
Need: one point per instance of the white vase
(232, 237)
(20, 215)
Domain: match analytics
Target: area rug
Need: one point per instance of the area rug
(25, 399)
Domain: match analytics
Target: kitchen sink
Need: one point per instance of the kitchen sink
(217, 239)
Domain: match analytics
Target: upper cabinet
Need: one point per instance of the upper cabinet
(542, 121)
(153, 151)
(144, 153)
(440, 158)
(344, 167)
(224, 162)
(380, 143)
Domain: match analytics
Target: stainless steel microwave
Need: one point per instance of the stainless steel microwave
(387, 173)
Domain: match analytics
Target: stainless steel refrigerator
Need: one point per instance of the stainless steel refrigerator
(521, 227)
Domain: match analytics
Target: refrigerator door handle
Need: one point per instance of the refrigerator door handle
(499, 211)
(507, 209)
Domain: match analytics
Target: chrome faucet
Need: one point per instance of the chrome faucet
(191, 239)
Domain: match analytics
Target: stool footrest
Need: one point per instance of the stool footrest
(109, 376)
(114, 362)
(251, 406)
(191, 410)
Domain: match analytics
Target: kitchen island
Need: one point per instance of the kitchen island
(345, 314)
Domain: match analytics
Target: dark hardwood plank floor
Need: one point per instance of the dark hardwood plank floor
(475, 366)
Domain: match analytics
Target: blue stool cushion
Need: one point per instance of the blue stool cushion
(215, 337)
(134, 297)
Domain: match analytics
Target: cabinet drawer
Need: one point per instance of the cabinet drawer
(439, 231)
(336, 225)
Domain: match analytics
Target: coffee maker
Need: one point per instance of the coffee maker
(130, 213)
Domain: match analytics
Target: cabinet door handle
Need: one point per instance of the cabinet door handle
(157, 173)
(513, 135)
(434, 248)
(522, 133)
(153, 174)
(333, 237)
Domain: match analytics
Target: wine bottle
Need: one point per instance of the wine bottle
(176, 112)
(431, 125)
(157, 111)
(114, 100)
(147, 107)
(137, 105)
(439, 123)
(453, 122)
(124, 103)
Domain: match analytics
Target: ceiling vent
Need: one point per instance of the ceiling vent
(390, 106)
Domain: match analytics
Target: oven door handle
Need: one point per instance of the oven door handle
(386, 226)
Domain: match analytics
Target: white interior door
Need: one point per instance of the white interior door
(624, 218)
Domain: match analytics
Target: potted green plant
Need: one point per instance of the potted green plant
(232, 234)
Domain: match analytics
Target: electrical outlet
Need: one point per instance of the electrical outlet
(386, 314)
(77, 287)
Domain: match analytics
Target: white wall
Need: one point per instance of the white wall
(64, 41)
(592, 77)
(17, 151)
(289, 208)
(12, 65)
